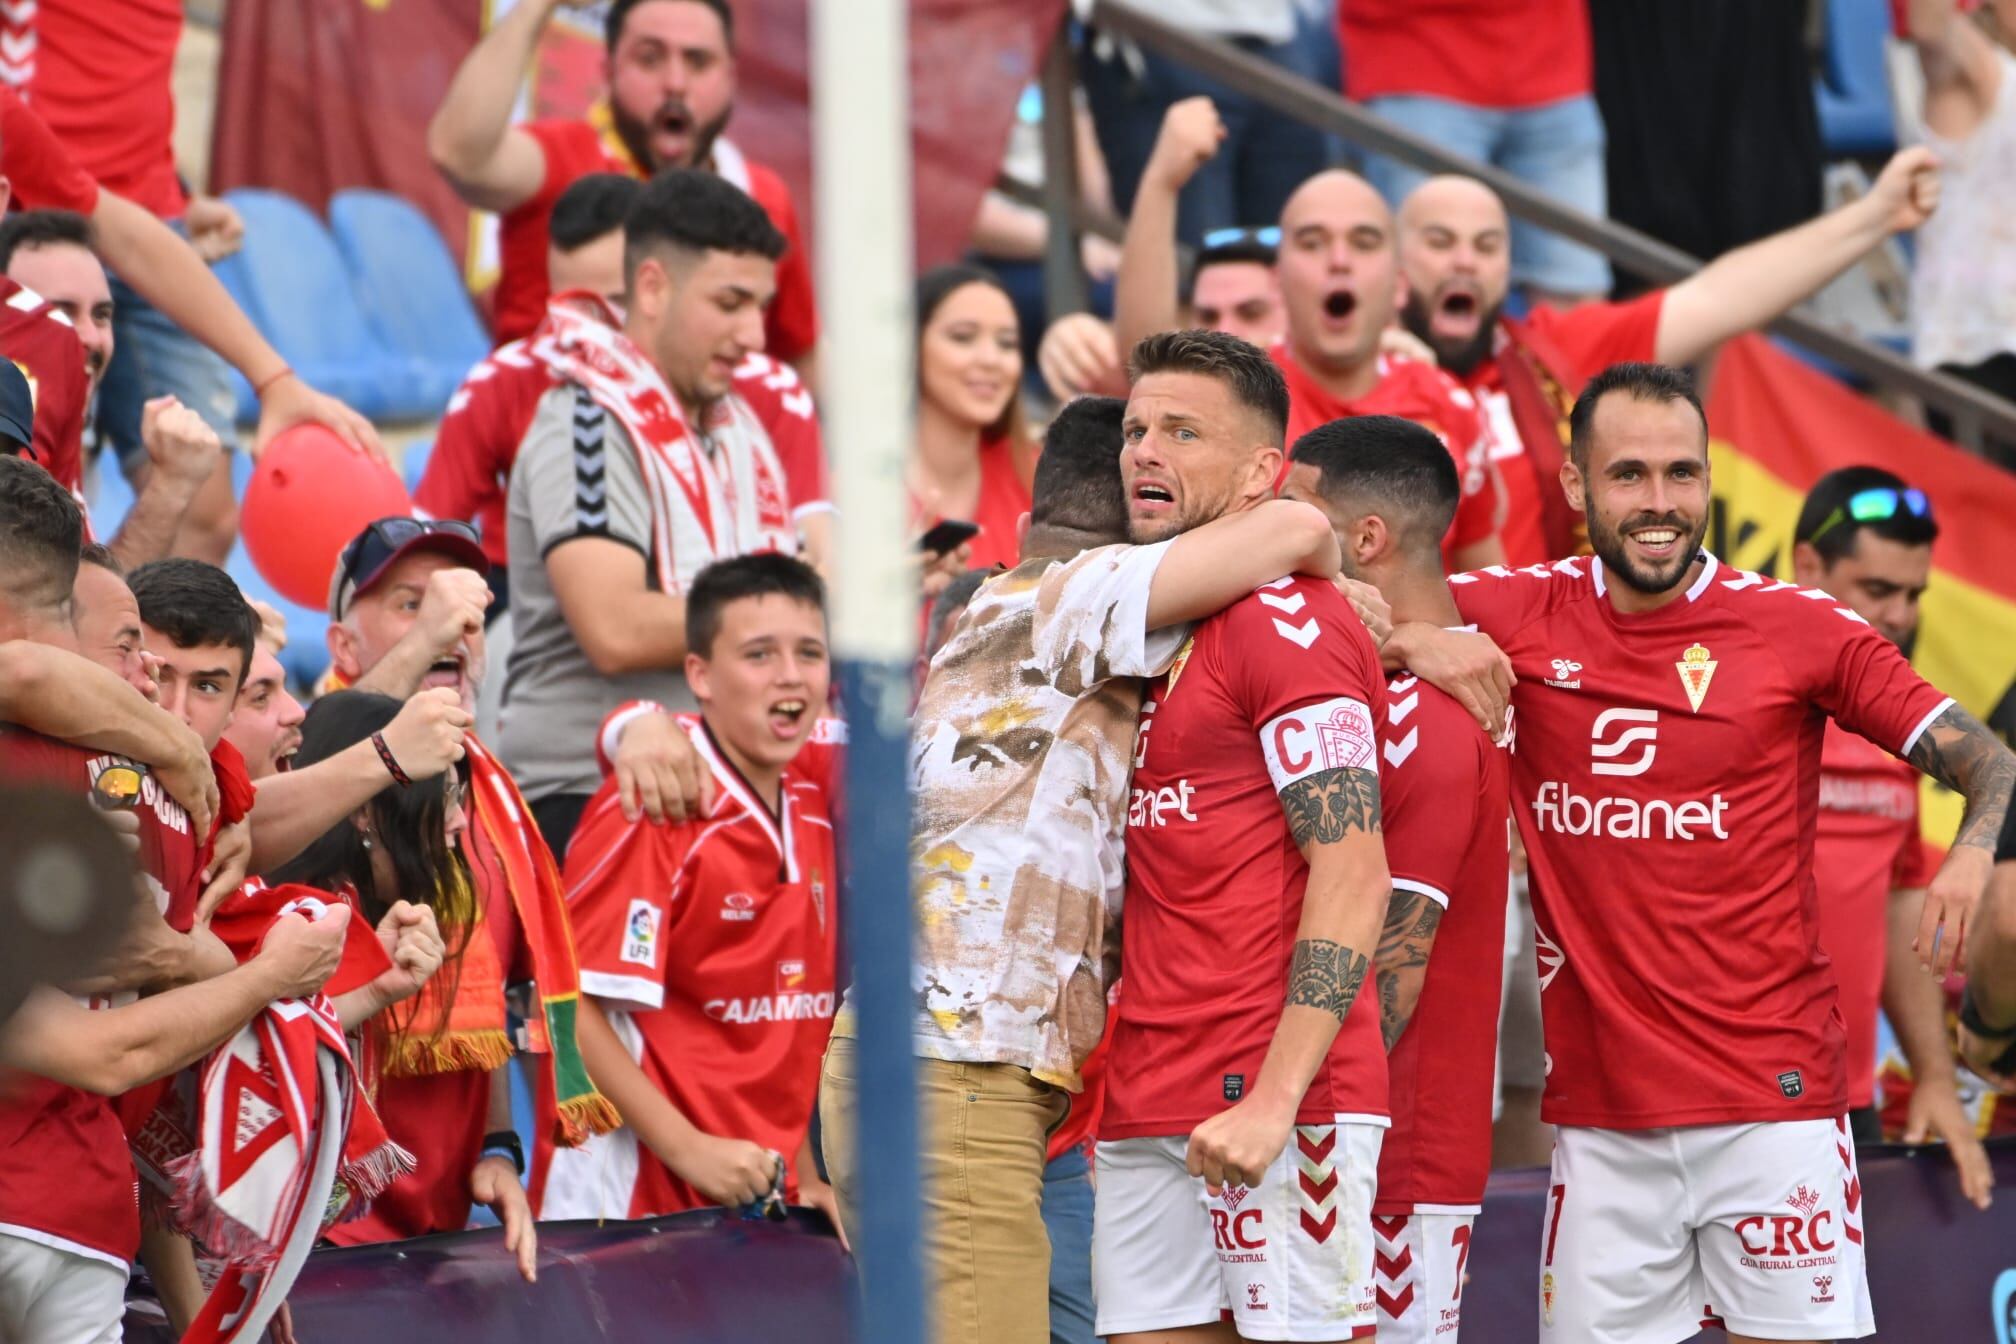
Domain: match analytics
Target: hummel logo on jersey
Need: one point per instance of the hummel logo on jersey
(1302, 635)
(1565, 675)
(1631, 749)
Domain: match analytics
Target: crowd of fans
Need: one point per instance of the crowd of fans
(628, 883)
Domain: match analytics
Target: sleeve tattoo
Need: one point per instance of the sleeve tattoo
(1411, 921)
(1325, 975)
(1325, 807)
(1958, 750)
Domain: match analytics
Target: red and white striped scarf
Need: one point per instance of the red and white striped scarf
(715, 493)
(278, 1141)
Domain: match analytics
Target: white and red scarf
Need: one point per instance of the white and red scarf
(276, 1140)
(716, 492)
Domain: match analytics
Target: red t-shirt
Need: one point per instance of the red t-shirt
(1487, 53)
(1003, 501)
(468, 473)
(574, 149)
(101, 75)
(1442, 800)
(1279, 685)
(1866, 846)
(1430, 398)
(1589, 339)
(44, 346)
(66, 1179)
(41, 173)
(1666, 780)
(718, 939)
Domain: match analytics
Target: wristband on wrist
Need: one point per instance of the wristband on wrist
(399, 777)
(504, 1143)
(1970, 1018)
(270, 379)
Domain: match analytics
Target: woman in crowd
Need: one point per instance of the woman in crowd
(973, 458)
(437, 1063)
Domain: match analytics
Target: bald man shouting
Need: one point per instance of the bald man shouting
(1339, 277)
(1454, 258)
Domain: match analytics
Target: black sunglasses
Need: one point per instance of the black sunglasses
(382, 540)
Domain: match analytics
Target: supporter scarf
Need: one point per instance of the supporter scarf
(703, 505)
(278, 1141)
(539, 900)
(1540, 402)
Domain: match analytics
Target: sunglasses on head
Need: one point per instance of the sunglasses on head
(1876, 505)
(1270, 236)
(382, 540)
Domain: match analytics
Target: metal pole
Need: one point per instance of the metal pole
(862, 153)
(1064, 289)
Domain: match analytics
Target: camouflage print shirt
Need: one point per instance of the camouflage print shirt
(1020, 757)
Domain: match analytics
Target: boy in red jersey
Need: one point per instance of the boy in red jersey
(708, 948)
(1670, 716)
(1389, 489)
(1254, 866)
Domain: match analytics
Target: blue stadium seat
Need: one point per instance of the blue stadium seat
(413, 462)
(1852, 91)
(290, 279)
(410, 288)
(110, 497)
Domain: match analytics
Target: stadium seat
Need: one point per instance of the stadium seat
(410, 288)
(413, 462)
(290, 279)
(1852, 90)
(109, 497)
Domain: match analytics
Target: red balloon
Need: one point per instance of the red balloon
(309, 495)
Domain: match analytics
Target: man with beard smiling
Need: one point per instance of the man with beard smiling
(671, 76)
(1525, 372)
(1670, 715)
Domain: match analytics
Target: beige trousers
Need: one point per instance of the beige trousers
(985, 1130)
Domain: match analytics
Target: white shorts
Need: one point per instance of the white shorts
(1288, 1259)
(53, 1296)
(1652, 1235)
(1419, 1261)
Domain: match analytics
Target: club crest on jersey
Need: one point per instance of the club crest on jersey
(1567, 674)
(1547, 1297)
(1182, 661)
(1696, 670)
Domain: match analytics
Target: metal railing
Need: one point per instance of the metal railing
(1973, 412)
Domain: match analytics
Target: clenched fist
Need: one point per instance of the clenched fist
(1191, 133)
(178, 442)
(426, 735)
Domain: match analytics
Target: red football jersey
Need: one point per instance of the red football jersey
(1588, 339)
(1866, 846)
(101, 75)
(44, 346)
(1430, 398)
(574, 149)
(1279, 685)
(468, 473)
(718, 940)
(40, 171)
(1666, 780)
(65, 1177)
(1442, 801)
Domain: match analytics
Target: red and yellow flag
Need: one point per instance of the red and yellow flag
(1776, 426)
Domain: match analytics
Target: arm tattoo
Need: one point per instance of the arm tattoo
(1325, 975)
(1411, 921)
(1330, 804)
(1959, 752)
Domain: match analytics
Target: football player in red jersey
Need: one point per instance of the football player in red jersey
(1389, 488)
(1866, 537)
(1256, 884)
(1670, 719)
